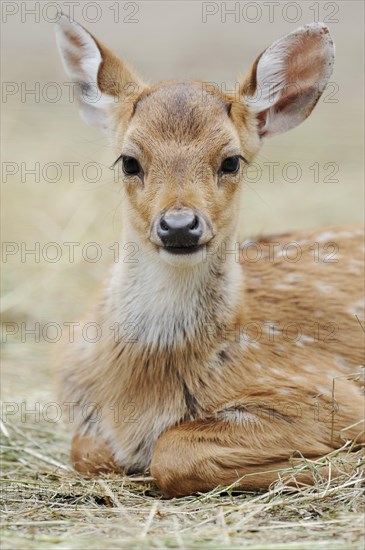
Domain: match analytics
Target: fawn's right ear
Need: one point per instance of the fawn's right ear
(101, 78)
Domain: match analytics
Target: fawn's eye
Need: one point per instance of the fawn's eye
(131, 166)
(230, 165)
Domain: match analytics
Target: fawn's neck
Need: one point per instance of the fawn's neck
(169, 306)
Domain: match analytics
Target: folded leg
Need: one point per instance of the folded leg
(200, 455)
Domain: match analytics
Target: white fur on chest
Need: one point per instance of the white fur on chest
(166, 305)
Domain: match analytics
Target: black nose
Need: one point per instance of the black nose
(180, 228)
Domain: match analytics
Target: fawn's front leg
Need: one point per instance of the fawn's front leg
(198, 456)
(91, 455)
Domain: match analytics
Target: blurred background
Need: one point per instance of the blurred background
(71, 197)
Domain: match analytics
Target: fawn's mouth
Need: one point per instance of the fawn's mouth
(178, 250)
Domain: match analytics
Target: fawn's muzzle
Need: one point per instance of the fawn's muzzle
(181, 230)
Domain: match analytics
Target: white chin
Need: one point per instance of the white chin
(183, 260)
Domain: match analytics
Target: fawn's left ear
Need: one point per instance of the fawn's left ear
(101, 78)
(288, 78)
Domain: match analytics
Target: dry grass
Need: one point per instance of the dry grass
(46, 505)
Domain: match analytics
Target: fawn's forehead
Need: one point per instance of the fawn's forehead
(182, 112)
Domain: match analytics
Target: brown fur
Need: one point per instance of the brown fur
(213, 403)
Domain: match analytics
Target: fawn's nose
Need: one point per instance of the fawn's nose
(180, 228)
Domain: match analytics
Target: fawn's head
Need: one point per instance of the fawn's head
(182, 146)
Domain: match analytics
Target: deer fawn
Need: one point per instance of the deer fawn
(215, 386)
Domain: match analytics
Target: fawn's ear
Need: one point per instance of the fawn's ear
(101, 78)
(288, 78)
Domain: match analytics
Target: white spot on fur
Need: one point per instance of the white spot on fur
(298, 379)
(331, 236)
(293, 278)
(325, 390)
(326, 236)
(244, 343)
(324, 288)
(307, 339)
(263, 380)
(356, 267)
(272, 329)
(238, 416)
(357, 308)
(340, 363)
(310, 368)
(280, 348)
